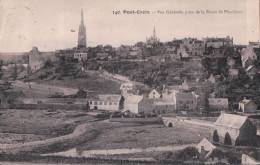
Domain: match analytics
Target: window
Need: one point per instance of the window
(90, 102)
(95, 103)
(110, 103)
(115, 103)
(105, 103)
(100, 103)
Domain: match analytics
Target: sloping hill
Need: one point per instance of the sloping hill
(71, 75)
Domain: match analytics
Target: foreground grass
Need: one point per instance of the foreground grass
(29, 125)
(118, 135)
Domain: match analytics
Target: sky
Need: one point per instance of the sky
(50, 24)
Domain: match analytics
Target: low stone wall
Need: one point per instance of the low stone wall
(45, 106)
(154, 120)
(170, 121)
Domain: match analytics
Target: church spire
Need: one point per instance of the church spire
(154, 32)
(82, 17)
(82, 39)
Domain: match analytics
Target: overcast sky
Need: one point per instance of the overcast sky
(49, 24)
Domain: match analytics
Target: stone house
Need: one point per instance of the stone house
(218, 104)
(205, 148)
(138, 104)
(169, 93)
(247, 106)
(186, 101)
(195, 47)
(35, 60)
(126, 87)
(230, 129)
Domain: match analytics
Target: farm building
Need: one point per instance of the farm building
(233, 129)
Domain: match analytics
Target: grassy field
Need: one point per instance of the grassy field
(88, 80)
(118, 135)
(30, 125)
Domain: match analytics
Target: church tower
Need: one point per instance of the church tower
(82, 39)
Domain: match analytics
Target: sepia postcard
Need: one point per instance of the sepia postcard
(113, 82)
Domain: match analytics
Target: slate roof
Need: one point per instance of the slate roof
(112, 98)
(230, 120)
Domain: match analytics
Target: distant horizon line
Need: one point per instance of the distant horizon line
(129, 44)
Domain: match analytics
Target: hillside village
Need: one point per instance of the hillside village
(210, 82)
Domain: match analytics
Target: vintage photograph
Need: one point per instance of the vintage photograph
(113, 82)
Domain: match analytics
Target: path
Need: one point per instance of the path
(80, 133)
(90, 153)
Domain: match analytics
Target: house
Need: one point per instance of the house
(102, 55)
(107, 102)
(190, 84)
(135, 51)
(217, 43)
(247, 106)
(218, 104)
(186, 101)
(163, 106)
(248, 56)
(194, 46)
(233, 73)
(138, 104)
(183, 52)
(36, 61)
(205, 148)
(154, 94)
(230, 129)
(126, 87)
(251, 71)
(80, 56)
(212, 79)
(169, 93)
(246, 160)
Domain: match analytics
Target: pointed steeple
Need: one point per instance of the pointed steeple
(82, 39)
(82, 17)
(154, 32)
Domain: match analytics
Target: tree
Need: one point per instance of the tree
(15, 72)
(1, 70)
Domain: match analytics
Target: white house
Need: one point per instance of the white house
(205, 147)
(247, 106)
(169, 93)
(107, 102)
(154, 94)
(138, 104)
(80, 56)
